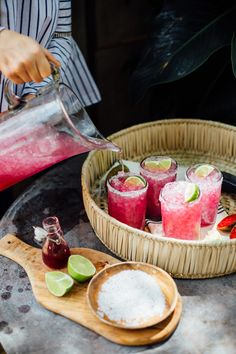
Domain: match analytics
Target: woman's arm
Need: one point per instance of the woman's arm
(22, 59)
(60, 45)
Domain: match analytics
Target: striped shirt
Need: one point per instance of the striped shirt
(49, 23)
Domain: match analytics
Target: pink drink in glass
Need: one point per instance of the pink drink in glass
(210, 187)
(180, 219)
(127, 203)
(156, 179)
(22, 157)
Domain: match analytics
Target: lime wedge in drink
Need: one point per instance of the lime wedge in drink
(158, 165)
(58, 283)
(134, 181)
(191, 193)
(80, 268)
(114, 171)
(203, 170)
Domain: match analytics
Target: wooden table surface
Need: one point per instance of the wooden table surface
(208, 323)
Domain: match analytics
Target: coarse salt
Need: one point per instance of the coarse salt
(131, 297)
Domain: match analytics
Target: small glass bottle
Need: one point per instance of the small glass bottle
(55, 251)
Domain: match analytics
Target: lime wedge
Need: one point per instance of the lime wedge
(203, 170)
(158, 165)
(134, 181)
(80, 268)
(114, 171)
(191, 193)
(58, 283)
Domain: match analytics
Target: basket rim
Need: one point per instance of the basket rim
(168, 121)
(171, 121)
(137, 232)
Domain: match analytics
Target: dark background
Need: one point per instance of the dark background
(112, 35)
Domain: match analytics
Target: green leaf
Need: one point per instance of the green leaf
(233, 54)
(186, 34)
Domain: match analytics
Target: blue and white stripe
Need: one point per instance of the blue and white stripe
(49, 22)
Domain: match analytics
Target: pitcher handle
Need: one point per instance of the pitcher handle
(55, 73)
(14, 100)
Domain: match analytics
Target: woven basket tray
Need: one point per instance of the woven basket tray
(188, 141)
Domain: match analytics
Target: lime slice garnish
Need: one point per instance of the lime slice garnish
(191, 193)
(58, 283)
(203, 170)
(134, 181)
(158, 165)
(80, 268)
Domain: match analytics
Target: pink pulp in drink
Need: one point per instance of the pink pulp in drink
(180, 219)
(22, 157)
(156, 181)
(127, 203)
(210, 187)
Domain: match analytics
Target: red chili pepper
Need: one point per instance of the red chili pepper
(233, 233)
(227, 223)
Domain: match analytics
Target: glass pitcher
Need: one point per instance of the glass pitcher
(40, 132)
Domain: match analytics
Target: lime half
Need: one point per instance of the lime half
(80, 268)
(158, 165)
(134, 181)
(203, 170)
(58, 283)
(191, 193)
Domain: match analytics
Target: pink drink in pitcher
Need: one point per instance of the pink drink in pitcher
(157, 171)
(127, 199)
(209, 179)
(47, 129)
(181, 210)
(23, 157)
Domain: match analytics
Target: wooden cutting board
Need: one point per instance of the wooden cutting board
(74, 304)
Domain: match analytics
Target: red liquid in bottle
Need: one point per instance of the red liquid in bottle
(55, 251)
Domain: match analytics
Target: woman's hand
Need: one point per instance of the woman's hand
(22, 59)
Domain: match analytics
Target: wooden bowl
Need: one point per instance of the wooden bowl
(164, 280)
